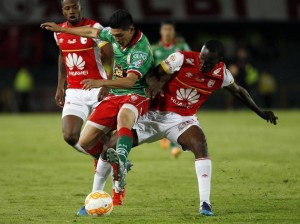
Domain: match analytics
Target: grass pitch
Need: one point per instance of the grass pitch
(255, 174)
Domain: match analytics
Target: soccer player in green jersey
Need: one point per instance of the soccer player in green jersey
(127, 99)
(168, 44)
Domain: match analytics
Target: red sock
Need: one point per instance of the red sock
(96, 150)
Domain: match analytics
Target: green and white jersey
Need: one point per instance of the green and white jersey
(136, 58)
(161, 50)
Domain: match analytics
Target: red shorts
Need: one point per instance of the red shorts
(106, 113)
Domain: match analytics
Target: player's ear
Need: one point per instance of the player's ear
(131, 29)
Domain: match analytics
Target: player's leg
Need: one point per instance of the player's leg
(71, 127)
(118, 158)
(91, 138)
(127, 116)
(194, 139)
(75, 112)
(103, 170)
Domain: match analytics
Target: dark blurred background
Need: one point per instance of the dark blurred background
(261, 37)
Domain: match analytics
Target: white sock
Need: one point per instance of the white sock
(101, 174)
(79, 148)
(203, 170)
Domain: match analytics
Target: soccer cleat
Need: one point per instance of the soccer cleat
(119, 171)
(118, 198)
(176, 151)
(206, 209)
(82, 212)
(164, 143)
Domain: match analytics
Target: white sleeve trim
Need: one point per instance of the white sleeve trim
(98, 42)
(228, 78)
(173, 63)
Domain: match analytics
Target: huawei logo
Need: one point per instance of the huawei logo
(72, 60)
(188, 95)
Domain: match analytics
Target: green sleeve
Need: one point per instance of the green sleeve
(105, 34)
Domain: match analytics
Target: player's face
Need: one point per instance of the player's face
(71, 10)
(167, 32)
(208, 60)
(122, 37)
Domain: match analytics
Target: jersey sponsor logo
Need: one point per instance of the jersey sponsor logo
(138, 63)
(61, 40)
(190, 61)
(186, 97)
(140, 55)
(73, 41)
(72, 60)
(217, 71)
(211, 83)
(83, 40)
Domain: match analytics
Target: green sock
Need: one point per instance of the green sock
(124, 144)
(172, 145)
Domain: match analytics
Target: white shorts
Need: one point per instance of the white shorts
(155, 125)
(80, 102)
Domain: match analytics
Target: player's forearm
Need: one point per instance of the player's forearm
(125, 83)
(82, 31)
(245, 97)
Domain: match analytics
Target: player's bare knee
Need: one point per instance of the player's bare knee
(71, 138)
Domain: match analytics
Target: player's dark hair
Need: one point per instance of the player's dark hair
(78, 1)
(167, 22)
(121, 19)
(215, 46)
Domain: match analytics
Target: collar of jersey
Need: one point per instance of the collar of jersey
(135, 38)
(167, 45)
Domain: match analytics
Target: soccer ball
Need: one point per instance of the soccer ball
(98, 203)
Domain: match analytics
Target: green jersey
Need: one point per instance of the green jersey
(136, 58)
(161, 50)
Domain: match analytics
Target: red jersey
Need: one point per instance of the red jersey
(81, 55)
(189, 88)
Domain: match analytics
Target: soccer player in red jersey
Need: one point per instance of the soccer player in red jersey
(187, 80)
(79, 58)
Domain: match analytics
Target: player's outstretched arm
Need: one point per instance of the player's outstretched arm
(83, 31)
(123, 83)
(242, 94)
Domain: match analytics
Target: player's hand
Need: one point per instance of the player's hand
(153, 87)
(269, 116)
(60, 98)
(103, 92)
(88, 84)
(51, 26)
